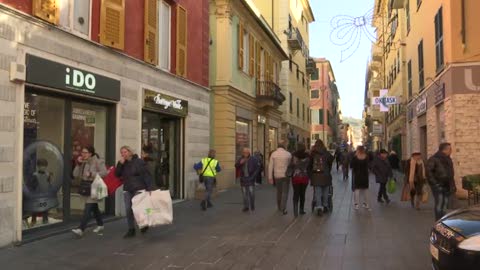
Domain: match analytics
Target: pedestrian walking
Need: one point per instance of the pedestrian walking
(360, 177)
(134, 174)
(440, 175)
(394, 163)
(345, 164)
(207, 169)
(277, 169)
(249, 168)
(415, 176)
(88, 165)
(320, 167)
(260, 158)
(338, 157)
(382, 171)
(300, 164)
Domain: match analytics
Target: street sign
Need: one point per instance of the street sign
(384, 101)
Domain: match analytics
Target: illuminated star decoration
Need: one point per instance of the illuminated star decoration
(347, 32)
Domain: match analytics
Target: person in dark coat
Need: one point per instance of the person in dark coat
(300, 163)
(249, 168)
(338, 157)
(320, 167)
(441, 177)
(134, 174)
(260, 158)
(360, 177)
(394, 161)
(345, 164)
(382, 170)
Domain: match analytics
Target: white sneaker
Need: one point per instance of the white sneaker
(78, 232)
(356, 207)
(366, 206)
(99, 229)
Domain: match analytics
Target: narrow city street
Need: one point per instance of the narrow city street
(389, 237)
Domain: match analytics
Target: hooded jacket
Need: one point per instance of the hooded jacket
(134, 175)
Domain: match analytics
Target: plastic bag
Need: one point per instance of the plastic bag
(391, 186)
(99, 189)
(152, 208)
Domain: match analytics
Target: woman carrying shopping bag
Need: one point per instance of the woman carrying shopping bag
(134, 174)
(88, 165)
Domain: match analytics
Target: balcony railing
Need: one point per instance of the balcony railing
(311, 66)
(268, 91)
(295, 40)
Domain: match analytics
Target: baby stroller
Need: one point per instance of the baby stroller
(330, 199)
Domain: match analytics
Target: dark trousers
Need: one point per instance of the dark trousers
(127, 196)
(299, 195)
(441, 197)
(91, 208)
(382, 192)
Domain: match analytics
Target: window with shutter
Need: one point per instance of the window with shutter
(47, 10)
(258, 51)
(181, 41)
(267, 66)
(240, 46)
(112, 23)
(251, 51)
(164, 35)
(150, 32)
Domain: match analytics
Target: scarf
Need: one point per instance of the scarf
(413, 166)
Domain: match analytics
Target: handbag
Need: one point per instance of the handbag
(405, 192)
(290, 169)
(200, 176)
(112, 181)
(85, 188)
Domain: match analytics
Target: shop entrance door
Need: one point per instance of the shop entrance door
(56, 128)
(161, 150)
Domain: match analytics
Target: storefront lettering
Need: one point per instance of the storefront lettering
(422, 106)
(80, 80)
(176, 104)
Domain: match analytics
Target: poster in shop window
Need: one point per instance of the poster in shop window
(83, 133)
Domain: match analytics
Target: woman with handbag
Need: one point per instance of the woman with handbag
(300, 165)
(415, 178)
(88, 165)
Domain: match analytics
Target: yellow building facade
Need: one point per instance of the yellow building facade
(439, 45)
(245, 63)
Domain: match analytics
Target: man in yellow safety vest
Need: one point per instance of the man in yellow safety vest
(207, 169)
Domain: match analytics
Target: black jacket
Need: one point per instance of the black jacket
(382, 170)
(440, 172)
(325, 178)
(134, 175)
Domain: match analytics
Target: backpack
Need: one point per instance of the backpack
(301, 166)
(319, 164)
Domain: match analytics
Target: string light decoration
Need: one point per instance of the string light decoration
(348, 32)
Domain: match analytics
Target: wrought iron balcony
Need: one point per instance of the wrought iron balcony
(295, 40)
(269, 94)
(311, 66)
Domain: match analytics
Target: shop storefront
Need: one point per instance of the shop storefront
(65, 109)
(162, 140)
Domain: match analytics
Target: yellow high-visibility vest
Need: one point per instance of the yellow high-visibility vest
(211, 170)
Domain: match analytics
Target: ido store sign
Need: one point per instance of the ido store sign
(47, 73)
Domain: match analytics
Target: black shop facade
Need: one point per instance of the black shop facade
(65, 108)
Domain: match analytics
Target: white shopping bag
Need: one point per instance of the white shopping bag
(99, 189)
(152, 208)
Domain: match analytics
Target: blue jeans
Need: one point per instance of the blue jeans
(248, 193)
(440, 197)
(209, 183)
(321, 196)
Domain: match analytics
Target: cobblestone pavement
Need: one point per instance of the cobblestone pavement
(389, 237)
